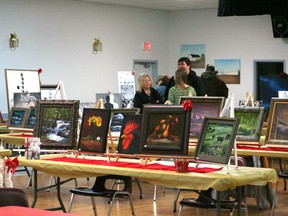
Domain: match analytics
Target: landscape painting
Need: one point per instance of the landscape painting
(228, 70)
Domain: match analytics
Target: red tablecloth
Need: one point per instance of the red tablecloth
(24, 211)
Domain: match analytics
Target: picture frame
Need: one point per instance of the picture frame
(251, 123)
(1, 117)
(216, 139)
(56, 123)
(117, 117)
(17, 117)
(129, 139)
(20, 81)
(165, 130)
(26, 100)
(48, 92)
(31, 118)
(277, 129)
(202, 107)
(94, 130)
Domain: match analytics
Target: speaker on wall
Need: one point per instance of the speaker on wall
(280, 26)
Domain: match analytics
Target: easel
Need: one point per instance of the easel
(250, 98)
(60, 88)
(229, 105)
(100, 105)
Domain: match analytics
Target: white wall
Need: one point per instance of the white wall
(246, 38)
(57, 37)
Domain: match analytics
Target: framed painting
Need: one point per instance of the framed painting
(117, 117)
(165, 130)
(26, 100)
(277, 129)
(94, 130)
(129, 140)
(56, 123)
(1, 118)
(251, 122)
(216, 139)
(17, 117)
(31, 118)
(20, 81)
(202, 107)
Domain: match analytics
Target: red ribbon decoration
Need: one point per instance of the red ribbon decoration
(187, 105)
(39, 70)
(11, 164)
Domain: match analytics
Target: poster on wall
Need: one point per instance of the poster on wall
(196, 54)
(228, 70)
(126, 83)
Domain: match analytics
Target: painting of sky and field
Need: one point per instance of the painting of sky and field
(228, 70)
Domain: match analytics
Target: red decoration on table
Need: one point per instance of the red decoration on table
(187, 105)
(39, 70)
(11, 164)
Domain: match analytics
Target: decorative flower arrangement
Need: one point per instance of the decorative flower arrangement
(187, 105)
(39, 70)
(282, 74)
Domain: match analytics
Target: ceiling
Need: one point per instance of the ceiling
(166, 5)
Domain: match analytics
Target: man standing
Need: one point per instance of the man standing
(193, 80)
(213, 84)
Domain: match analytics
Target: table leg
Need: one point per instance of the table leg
(274, 199)
(218, 203)
(35, 188)
(59, 194)
(239, 200)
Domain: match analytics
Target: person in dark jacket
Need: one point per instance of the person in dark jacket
(213, 84)
(193, 80)
(146, 94)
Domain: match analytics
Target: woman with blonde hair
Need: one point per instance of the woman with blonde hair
(181, 88)
(146, 93)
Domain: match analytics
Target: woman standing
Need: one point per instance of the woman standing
(180, 88)
(146, 94)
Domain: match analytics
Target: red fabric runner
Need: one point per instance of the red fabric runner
(247, 147)
(155, 166)
(21, 135)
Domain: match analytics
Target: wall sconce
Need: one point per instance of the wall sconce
(97, 45)
(13, 42)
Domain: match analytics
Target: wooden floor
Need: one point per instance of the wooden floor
(163, 206)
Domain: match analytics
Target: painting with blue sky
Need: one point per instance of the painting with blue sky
(196, 54)
(228, 70)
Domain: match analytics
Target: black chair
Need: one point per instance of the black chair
(100, 189)
(205, 200)
(13, 197)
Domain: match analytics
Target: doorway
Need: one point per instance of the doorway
(145, 66)
(268, 79)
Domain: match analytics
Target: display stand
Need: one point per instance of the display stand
(229, 107)
(60, 88)
(250, 98)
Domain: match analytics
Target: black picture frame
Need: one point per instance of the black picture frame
(129, 139)
(94, 130)
(117, 117)
(165, 130)
(216, 139)
(202, 107)
(56, 123)
(17, 117)
(251, 123)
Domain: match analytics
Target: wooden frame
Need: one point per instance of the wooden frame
(17, 117)
(129, 139)
(165, 130)
(216, 139)
(202, 107)
(31, 118)
(251, 122)
(94, 130)
(20, 81)
(56, 123)
(117, 117)
(277, 130)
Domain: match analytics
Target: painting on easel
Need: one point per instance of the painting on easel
(94, 130)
